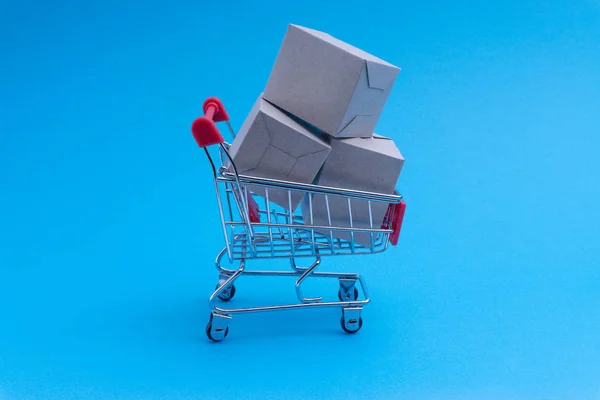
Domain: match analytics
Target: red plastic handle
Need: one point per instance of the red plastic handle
(396, 222)
(204, 129)
(220, 115)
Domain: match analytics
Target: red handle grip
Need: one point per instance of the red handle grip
(204, 129)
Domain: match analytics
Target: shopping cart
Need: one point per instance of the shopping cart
(255, 228)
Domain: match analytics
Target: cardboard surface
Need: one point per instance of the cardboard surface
(272, 145)
(329, 83)
(368, 164)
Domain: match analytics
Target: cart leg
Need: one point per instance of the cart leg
(302, 277)
(348, 290)
(225, 289)
(222, 270)
(217, 328)
(351, 320)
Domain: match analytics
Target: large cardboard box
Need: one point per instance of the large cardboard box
(367, 164)
(272, 145)
(330, 84)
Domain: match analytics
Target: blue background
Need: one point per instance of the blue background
(109, 225)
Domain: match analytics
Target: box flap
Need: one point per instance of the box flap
(377, 136)
(288, 135)
(317, 132)
(380, 76)
(307, 161)
(349, 131)
(379, 144)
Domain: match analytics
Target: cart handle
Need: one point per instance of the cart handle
(204, 129)
(206, 133)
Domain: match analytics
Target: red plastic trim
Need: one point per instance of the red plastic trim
(204, 129)
(220, 113)
(206, 132)
(399, 210)
(253, 209)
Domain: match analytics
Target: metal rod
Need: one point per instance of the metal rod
(291, 306)
(291, 221)
(371, 238)
(312, 221)
(301, 279)
(230, 129)
(296, 268)
(315, 227)
(351, 226)
(212, 164)
(267, 203)
(280, 184)
(244, 204)
(329, 222)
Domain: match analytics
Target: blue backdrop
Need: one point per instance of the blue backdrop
(109, 225)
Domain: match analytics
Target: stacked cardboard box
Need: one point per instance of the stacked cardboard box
(315, 122)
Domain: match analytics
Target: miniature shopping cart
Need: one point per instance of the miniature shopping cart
(256, 228)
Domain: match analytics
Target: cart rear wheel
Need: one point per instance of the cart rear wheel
(227, 293)
(348, 296)
(353, 326)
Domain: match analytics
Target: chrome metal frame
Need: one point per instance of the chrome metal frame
(286, 234)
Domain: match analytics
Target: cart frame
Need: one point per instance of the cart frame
(286, 234)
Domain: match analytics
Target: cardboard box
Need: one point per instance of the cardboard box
(367, 164)
(272, 145)
(330, 84)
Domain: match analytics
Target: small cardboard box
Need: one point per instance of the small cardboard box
(330, 84)
(272, 145)
(367, 164)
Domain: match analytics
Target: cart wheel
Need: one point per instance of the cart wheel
(352, 326)
(209, 330)
(227, 293)
(347, 296)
